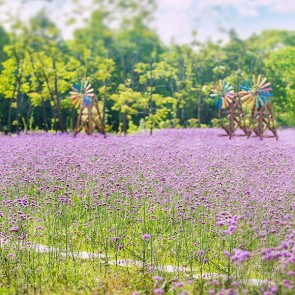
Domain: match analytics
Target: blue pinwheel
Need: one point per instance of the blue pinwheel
(82, 97)
(223, 93)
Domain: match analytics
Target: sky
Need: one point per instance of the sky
(176, 19)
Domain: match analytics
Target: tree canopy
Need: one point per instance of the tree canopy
(139, 81)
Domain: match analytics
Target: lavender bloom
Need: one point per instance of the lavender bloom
(146, 236)
(240, 255)
(194, 193)
(159, 291)
(14, 229)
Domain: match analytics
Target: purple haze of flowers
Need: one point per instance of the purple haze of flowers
(191, 181)
(240, 255)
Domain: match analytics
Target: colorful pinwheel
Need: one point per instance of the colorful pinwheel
(256, 92)
(82, 96)
(223, 93)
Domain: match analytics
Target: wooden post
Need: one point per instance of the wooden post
(78, 125)
(90, 127)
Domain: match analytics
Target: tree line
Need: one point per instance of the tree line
(140, 82)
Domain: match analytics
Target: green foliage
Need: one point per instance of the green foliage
(140, 83)
(193, 122)
(280, 68)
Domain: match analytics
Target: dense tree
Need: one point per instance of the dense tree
(139, 82)
(280, 68)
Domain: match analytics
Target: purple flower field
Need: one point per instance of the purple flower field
(205, 205)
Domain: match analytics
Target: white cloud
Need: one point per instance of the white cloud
(250, 7)
(287, 6)
(174, 18)
(58, 11)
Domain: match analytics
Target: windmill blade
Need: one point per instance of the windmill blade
(219, 104)
(258, 80)
(265, 85)
(77, 103)
(265, 98)
(87, 100)
(244, 88)
(89, 91)
(223, 105)
(246, 97)
(254, 80)
(74, 92)
(266, 89)
(251, 100)
(262, 82)
(88, 86)
(260, 100)
(266, 93)
(228, 99)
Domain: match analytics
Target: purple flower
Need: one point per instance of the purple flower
(115, 239)
(235, 284)
(240, 255)
(159, 291)
(14, 229)
(146, 236)
(226, 253)
(209, 186)
(178, 284)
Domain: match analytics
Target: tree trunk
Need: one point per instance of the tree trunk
(182, 116)
(104, 103)
(151, 95)
(53, 95)
(28, 116)
(199, 108)
(125, 124)
(200, 96)
(44, 115)
(58, 107)
(19, 99)
(72, 118)
(9, 118)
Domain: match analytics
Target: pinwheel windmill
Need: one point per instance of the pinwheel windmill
(256, 94)
(84, 99)
(230, 106)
